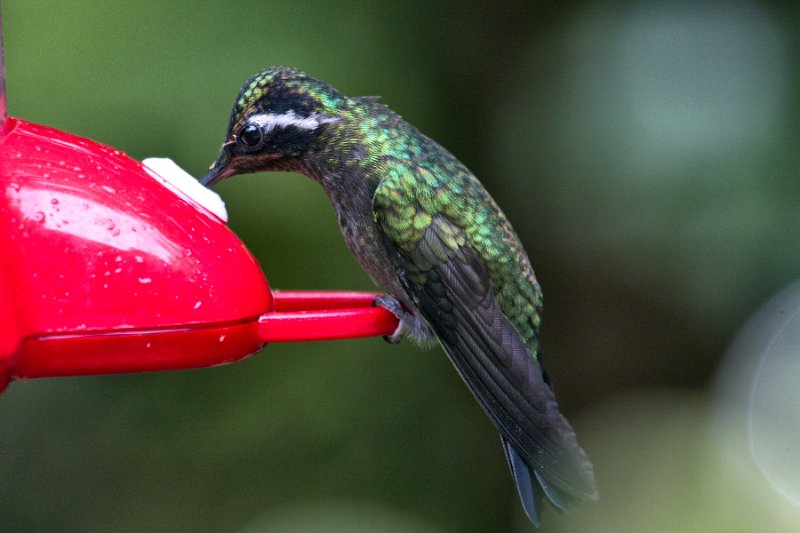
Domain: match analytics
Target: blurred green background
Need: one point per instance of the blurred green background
(647, 154)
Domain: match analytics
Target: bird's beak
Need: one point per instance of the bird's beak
(220, 170)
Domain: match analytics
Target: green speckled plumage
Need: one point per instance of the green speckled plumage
(417, 182)
(301, 87)
(424, 228)
(414, 197)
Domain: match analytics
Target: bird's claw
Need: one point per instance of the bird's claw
(392, 305)
(395, 337)
(391, 339)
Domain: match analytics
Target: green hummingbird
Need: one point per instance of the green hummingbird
(425, 229)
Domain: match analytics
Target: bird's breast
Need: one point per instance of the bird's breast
(365, 241)
(352, 202)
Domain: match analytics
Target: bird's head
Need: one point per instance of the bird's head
(278, 115)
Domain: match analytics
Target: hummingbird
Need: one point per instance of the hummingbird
(425, 230)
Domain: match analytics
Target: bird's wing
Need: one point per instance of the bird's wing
(450, 284)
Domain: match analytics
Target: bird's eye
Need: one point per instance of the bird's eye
(250, 135)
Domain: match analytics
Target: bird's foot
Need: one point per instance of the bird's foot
(411, 324)
(391, 304)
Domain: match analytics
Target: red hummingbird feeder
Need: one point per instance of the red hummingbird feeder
(106, 266)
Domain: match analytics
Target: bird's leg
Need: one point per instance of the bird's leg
(411, 323)
(393, 305)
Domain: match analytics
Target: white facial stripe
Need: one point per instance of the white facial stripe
(270, 121)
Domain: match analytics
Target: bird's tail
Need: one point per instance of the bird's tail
(532, 487)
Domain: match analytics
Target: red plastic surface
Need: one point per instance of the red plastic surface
(290, 301)
(302, 316)
(91, 242)
(136, 351)
(103, 270)
(96, 255)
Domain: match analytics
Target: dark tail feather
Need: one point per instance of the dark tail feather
(556, 497)
(529, 495)
(532, 486)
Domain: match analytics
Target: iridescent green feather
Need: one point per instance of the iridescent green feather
(415, 194)
(293, 81)
(425, 229)
(418, 183)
